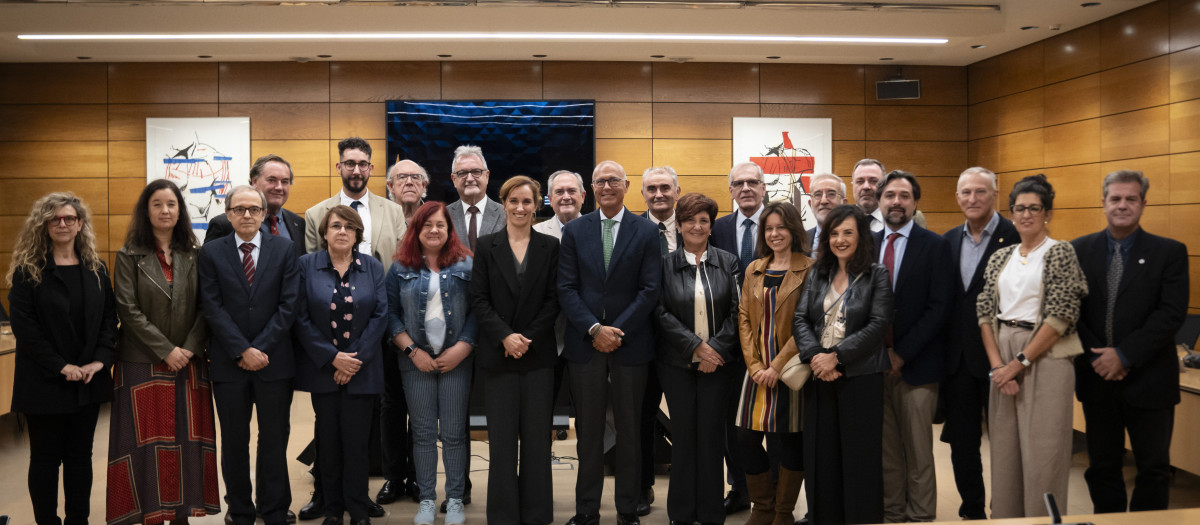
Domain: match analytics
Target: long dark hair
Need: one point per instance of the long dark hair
(141, 232)
(791, 221)
(864, 253)
(408, 251)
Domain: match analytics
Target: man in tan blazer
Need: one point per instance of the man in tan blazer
(383, 220)
(566, 192)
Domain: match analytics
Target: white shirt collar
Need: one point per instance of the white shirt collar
(481, 205)
(620, 214)
(346, 200)
(257, 240)
(753, 217)
(691, 257)
(670, 222)
(904, 231)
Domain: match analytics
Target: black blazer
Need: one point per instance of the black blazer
(504, 305)
(869, 310)
(923, 293)
(724, 236)
(241, 316)
(675, 313)
(1152, 302)
(964, 346)
(41, 322)
(219, 227)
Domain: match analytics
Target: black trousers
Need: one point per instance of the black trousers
(343, 432)
(650, 403)
(698, 403)
(735, 474)
(591, 389)
(61, 439)
(843, 449)
(1149, 436)
(520, 409)
(785, 449)
(966, 401)
(395, 438)
(235, 401)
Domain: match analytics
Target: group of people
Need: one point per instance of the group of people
(391, 311)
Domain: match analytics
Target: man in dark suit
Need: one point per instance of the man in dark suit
(248, 287)
(1128, 376)
(965, 387)
(828, 191)
(271, 175)
(474, 214)
(920, 266)
(609, 272)
(737, 233)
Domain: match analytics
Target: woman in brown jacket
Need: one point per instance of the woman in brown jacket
(767, 406)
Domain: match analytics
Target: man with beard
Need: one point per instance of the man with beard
(921, 270)
(474, 214)
(407, 180)
(828, 192)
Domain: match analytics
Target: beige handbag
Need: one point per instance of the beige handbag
(795, 374)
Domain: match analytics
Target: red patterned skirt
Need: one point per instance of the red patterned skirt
(162, 450)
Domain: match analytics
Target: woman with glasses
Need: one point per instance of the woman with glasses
(430, 320)
(339, 323)
(1027, 312)
(162, 372)
(65, 320)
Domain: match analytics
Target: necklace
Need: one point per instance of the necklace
(1025, 257)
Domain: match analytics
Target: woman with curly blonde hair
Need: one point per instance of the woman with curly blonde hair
(65, 321)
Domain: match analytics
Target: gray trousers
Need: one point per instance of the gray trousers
(437, 409)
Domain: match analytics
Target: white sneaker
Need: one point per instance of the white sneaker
(426, 513)
(454, 512)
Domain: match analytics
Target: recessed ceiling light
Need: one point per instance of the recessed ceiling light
(1089, 4)
(445, 56)
(978, 46)
(1027, 28)
(84, 58)
(203, 56)
(658, 56)
(773, 58)
(539, 56)
(887, 58)
(324, 56)
(492, 36)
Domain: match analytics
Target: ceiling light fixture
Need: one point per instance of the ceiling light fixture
(887, 58)
(1089, 4)
(1027, 28)
(978, 46)
(468, 36)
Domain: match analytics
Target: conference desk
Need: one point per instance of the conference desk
(1155, 517)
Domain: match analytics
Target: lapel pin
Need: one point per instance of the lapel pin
(1001, 239)
(1141, 261)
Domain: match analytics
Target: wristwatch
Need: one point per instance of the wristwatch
(408, 350)
(1024, 360)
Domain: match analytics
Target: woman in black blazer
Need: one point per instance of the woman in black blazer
(65, 320)
(513, 293)
(839, 329)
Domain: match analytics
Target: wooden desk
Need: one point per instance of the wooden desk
(8, 366)
(1157, 517)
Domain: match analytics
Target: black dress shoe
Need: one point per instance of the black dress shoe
(374, 510)
(389, 492)
(314, 509)
(643, 505)
(628, 519)
(410, 488)
(584, 519)
(736, 501)
(228, 518)
(364, 521)
(291, 517)
(332, 520)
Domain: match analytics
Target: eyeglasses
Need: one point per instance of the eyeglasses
(611, 182)
(827, 194)
(342, 227)
(65, 220)
(1033, 210)
(350, 165)
(254, 211)
(751, 183)
(404, 177)
(462, 174)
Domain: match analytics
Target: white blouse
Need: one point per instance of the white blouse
(1020, 284)
(435, 322)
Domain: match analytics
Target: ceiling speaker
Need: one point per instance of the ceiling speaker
(897, 89)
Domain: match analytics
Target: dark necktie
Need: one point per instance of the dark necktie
(1115, 269)
(663, 247)
(472, 230)
(248, 262)
(889, 262)
(747, 252)
(273, 223)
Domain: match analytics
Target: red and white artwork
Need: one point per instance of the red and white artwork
(790, 151)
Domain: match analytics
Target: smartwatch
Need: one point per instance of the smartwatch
(1024, 360)
(408, 350)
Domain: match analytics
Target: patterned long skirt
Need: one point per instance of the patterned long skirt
(162, 451)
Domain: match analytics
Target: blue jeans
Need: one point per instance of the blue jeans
(437, 409)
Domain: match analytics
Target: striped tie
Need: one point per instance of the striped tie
(248, 262)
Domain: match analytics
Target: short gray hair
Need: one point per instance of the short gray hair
(824, 176)
(980, 171)
(241, 189)
(609, 164)
(1125, 176)
(867, 162)
(578, 180)
(741, 165)
(661, 169)
(392, 171)
(468, 150)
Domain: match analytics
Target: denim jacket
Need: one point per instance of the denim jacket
(408, 295)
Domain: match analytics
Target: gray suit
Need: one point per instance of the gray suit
(493, 219)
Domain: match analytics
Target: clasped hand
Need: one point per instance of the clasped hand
(709, 358)
(82, 373)
(824, 366)
(608, 339)
(515, 345)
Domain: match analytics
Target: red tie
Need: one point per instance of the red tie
(889, 262)
(273, 222)
(248, 262)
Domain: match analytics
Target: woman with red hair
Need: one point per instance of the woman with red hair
(431, 322)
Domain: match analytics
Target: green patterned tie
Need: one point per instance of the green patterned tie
(608, 239)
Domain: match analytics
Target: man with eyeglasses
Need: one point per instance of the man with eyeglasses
(609, 275)
(474, 213)
(249, 287)
(272, 175)
(737, 233)
(827, 191)
(407, 181)
(965, 388)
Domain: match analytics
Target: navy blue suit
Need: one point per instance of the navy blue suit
(724, 236)
(923, 294)
(241, 316)
(624, 296)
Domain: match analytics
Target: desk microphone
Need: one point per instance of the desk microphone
(1052, 508)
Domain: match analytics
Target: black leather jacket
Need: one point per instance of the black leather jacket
(869, 309)
(676, 307)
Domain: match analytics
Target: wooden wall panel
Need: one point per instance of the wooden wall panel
(1185, 180)
(706, 82)
(1075, 186)
(21, 193)
(916, 123)
(492, 80)
(1019, 151)
(1157, 169)
(241, 82)
(117, 226)
(1022, 69)
(635, 155)
(716, 187)
(1020, 111)
(694, 157)
(70, 123)
(1069, 223)
(54, 160)
(624, 120)
(1194, 281)
(1185, 126)
(1074, 143)
(128, 121)
(937, 195)
(942, 222)
(1135, 86)
(282, 121)
(382, 81)
(123, 194)
(1184, 218)
(1072, 54)
(309, 158)
(698, 121)
(983, 119)
(307, 192)
(847, 153)
(127, 159)
(1134, 35)
(983, 80)
(940, 86)
(10, 228)
(1185, 74)
(849, 121)
(1136, 134)
(1185, 25)
(601, 81)
(162, 83)
(1073, 100)
(923, 159)
(357, 120)
(814, 84)
(52, 84)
